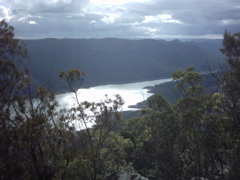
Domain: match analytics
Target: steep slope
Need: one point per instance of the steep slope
(114, 60)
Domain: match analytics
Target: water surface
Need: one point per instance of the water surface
(132, 93)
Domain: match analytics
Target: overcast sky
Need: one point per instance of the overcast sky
(162, 19)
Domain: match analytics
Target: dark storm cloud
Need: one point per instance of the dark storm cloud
(135, 19)
(45, 7)
(196, 17)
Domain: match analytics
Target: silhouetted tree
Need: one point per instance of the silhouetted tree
(231, 104)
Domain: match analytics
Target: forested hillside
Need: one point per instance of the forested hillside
(210, 83)
(115, 60)
(197, 137)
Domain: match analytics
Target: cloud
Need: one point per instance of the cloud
(160, 18)
(122, 19)
(5, 13)
(32, 22)
(93, 22)
(116, 3)
(47, 8)
(110, 18)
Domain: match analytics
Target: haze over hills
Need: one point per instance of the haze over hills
(112, 60)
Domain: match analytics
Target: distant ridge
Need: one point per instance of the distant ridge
(111, 60)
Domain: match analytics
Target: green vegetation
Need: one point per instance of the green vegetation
(39, 142)
(195, 137)
(126, 60)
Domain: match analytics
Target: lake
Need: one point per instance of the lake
(132, 93)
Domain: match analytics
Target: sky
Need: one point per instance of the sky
(134, 19)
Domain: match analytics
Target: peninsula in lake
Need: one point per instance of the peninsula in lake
(109, 60)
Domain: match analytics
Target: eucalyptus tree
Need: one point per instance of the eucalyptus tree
(12, 80)
(161, 146)
(39, 141)
(230, 86)
(200, 120)
(32, 142)
(94, 124)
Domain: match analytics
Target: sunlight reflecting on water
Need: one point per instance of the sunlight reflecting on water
(132, 93)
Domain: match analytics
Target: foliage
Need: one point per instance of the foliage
(196, 137)
(230, 87)
(105, 60)
(183, 140)
(39, 141)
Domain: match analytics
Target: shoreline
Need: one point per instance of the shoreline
(88, 86)
(129, 91)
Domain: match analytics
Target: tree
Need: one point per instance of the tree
(200, 119)
(184, 140)
(33, 135)
(231, 79)
(230, 86)
(104, 117)
(12, 81)
(154, 136)
(162, 123)
(40, 141)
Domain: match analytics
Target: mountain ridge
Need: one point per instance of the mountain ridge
(112, 60)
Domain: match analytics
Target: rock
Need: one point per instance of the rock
(122, 175)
